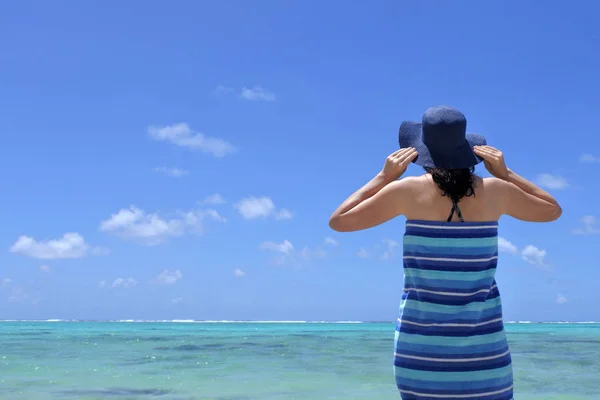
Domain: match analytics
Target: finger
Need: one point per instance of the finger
(492, 153)
(394, 154)
(492, 149)
(403, 151)
(408, 156)
(483, 153)
(488, 156)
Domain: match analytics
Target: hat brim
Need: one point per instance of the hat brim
(459, 157)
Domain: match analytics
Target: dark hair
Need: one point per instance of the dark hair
(454, 183)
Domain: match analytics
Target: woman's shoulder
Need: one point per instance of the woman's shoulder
(493, 184)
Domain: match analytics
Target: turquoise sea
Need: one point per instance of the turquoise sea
(270, 361)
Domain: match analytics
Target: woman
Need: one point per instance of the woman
(450, 339)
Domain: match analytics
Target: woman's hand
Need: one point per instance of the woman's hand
(493, 161)
(397, 162)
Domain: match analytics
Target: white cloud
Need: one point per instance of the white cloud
(182, 135)
(284, 214)
(552, 181)
(18, 295)
(331, 241)
(287, 254)
(505, 245)
(589, 226)
(255, 207)
(260, 207)
(214, 199)
(363, 253)
(308, 253)
(177, 300)
(257, 93)
(222, 90)
(5, 281)
(533, 255)
(70, 245)
(168, 277)
(124, 283)
(239, 273)
(100, 251)
(560, 299)
(391, 246)
(529, 253)
(285, 250)
(284, 247)
(174, 172)
(589, 158)
(152, 229)
(45, 268)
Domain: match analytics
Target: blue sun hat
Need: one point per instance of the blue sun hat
(441, 139)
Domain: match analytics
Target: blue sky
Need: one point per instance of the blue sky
(181, 160)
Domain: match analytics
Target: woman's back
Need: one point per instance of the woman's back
(429, 204)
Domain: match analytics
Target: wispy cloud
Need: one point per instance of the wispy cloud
(182, 135)
(257, 93)
(308, 253)
(123, 283)
(331, 241)
(260, 207)
(589, 226)
(222, 91)
(70, 245)
(214, 200)
(283, 250)
(506, 246)
(45, 268)
(552, 181)
(168, 277)
(152, 229)
(173, 172)
(286, 253)
(363, 253)
(239, 273)
(560, 299)
(284, 247)
(589, 158)
(177, 300)
(19, 295)
(390, 250)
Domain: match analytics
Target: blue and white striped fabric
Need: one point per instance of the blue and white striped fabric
(450, 339)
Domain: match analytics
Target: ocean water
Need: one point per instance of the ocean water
(270, 361)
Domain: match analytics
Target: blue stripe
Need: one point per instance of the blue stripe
(458, 387)
(464, 317)
(444, 366)
(450, 300)
(429, 285)
(443, 265)
(452, 331)
(457, 252)
(415, 249)
(476, 234)
(470, 354)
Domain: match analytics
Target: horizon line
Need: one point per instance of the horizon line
(263, 321)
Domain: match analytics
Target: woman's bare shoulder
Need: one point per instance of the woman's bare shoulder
(493, 183)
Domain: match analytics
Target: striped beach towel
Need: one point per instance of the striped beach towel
(450, 341)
